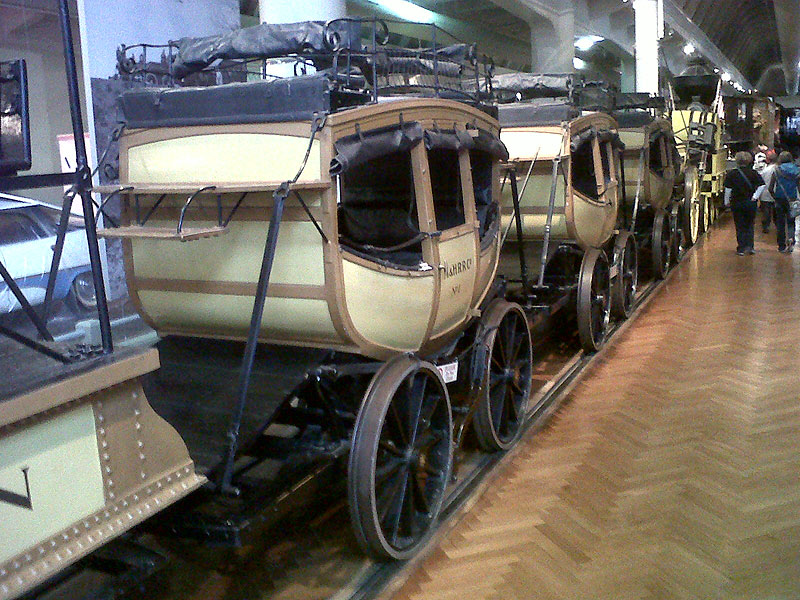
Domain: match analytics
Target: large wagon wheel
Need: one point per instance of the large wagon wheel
(594, 299)
(507, 370)
(691, 206)
(661, 244)
(400, 458)
(624, 285)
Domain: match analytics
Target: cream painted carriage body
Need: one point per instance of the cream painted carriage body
(651, 166)
(321, 294)
(654, 178)
(563, 246)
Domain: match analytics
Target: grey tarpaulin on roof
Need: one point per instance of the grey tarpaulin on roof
(632, 119)
(603, 135)
(535, 85)
(295, 99)
(536, 113)
(357, 149)
(263, 41)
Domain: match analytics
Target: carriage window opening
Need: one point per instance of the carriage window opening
(656, 157)
(481, 164)
(583, 176)
(378, 211)
(448, 201)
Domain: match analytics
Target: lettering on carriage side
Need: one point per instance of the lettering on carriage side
(15, 499)
(456, 289)
(461, 266)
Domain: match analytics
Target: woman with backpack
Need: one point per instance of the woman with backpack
(743, 186)
(783, 188)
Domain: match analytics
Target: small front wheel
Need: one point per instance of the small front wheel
(661, 244)
(506, 383)
(594, 299)
(626, 281)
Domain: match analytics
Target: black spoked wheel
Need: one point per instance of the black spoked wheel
(506, 384)
(661, 244)
(400, 458)
(691, 206)
(626, 281)
(594, 299)
(705, 213)
(674, 235)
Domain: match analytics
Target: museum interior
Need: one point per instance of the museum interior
(399, 299)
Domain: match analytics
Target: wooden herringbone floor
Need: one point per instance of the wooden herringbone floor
(671, 471)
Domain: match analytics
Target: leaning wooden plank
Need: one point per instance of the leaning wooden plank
(187, 234)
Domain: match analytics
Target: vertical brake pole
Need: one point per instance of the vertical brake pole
(523, 266)
(271, 244)
(83, 177)
(638, 189)
(549, 223)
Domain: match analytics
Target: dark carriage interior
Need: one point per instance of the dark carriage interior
(584, 180)
(657, 164)
(378, 210)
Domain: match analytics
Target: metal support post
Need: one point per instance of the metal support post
(271, 244)
(83, 177)
(549, 223)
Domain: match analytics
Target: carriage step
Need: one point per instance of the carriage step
(187, 234)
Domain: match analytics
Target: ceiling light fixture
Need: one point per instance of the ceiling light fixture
(407, 10)
(688, 49)
(585, 42)
(725, 76)
(579, 63)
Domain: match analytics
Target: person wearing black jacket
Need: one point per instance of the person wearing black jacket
(743, 186)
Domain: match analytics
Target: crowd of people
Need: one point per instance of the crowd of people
(768, 180)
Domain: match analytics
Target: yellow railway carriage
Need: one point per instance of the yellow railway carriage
(698, 132)
(651, 168)
(341, 231)
(561, 239)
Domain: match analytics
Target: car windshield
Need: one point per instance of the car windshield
(16, 227)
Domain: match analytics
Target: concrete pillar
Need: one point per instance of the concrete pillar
(292, 11)
(647, 22)
(553, 43)
(627, 68)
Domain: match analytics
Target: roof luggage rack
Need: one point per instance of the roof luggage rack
(323, 66)
(549, 98)
(637, 109)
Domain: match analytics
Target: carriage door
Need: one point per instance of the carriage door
(659, 165)
(458, 242)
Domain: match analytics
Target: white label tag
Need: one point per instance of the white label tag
(449, 371)
(614, 271)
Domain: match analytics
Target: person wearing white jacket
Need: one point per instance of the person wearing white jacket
(764, 164)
